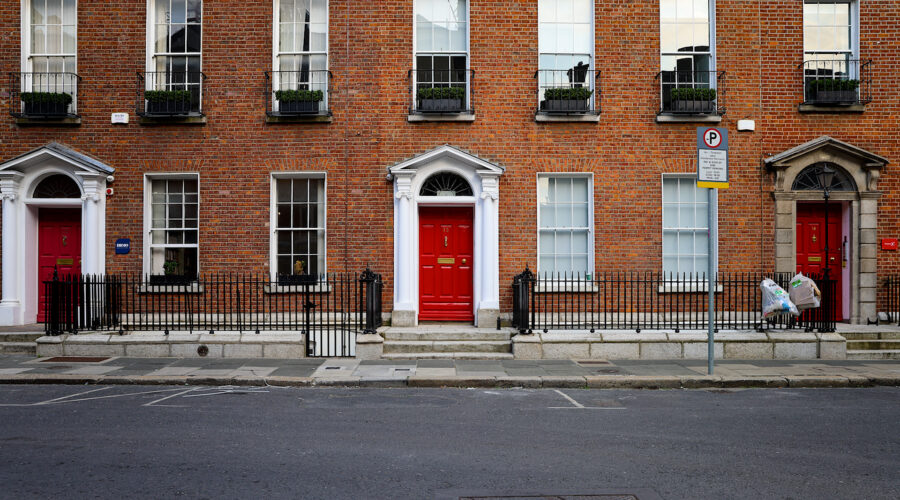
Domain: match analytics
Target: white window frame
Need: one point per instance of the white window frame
(853, 70)
(715, 230)
(276, 33)
(415, 53)
(151, 53)
(26, 65)
(273, 218)
(713, 83)
(590, 227)
(592, 82)
(148, 214)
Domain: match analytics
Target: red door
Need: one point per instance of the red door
(59, 247)
(445, 264)
(811, 244)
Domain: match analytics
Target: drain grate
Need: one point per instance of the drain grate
(74, 359)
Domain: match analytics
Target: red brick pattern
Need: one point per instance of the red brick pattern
(759, 45)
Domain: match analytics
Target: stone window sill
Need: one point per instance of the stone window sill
(192, 288)
(592, 117)
(664, 118)
(818, 108)
(277, 289)
(686, 287)
(173, 120)
(565, 286)
(277, 118)
(69, 121)
(450, 117)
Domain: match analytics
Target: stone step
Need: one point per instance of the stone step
(448, 355)
(871, 335)
(416, 346)
(20, 336)
(446, 333)
(873, 345)
(18, 348)
(880, 354)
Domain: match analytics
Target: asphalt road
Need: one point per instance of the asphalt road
(268, 442)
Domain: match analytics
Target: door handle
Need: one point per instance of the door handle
(464, 261)
(445, 241)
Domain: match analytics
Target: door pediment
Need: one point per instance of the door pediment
(864, 166)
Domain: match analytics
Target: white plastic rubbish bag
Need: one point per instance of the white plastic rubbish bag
(776, 300)
(804, 293)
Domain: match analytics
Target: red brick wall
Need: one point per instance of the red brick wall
(759, 45)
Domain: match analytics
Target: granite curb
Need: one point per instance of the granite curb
(535, 382)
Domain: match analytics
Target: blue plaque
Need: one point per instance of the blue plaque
(123, 246)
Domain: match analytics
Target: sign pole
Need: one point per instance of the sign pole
(712, 174)
(711, 283)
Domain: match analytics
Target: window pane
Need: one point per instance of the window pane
(580, 242)
(283, 217)
(193, 38)
(37, 40)
(457, 37)
(670, 242)
(686, 216)
(178, 12)
(564, 217)
(317, 38)
(563, 242)
(548, 215)
(38, 11)
(194, 11)
(68, 12)
(670, 215)
(54, 11)
(286, 37)
(685, 243)
(318, 12)
(579, 216)
(283, 190)
(286, 11)
(546, 243)
(54, 39)
(423, 37)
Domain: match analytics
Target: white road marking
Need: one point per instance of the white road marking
(576, 403)
(71, 396)
(153, 403)
(109, 397)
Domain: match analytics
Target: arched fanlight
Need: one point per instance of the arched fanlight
(57, 186)
(445, 184)
(810, 178)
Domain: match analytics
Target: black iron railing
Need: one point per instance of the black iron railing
(836, 82)
(447, 91)
(298, 93)
(575, 91)
(656, 301)
(691, 92)
(329, 309)
(890, 298)
(170, 93)
(44, 95)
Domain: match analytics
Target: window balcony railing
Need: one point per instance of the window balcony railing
(170, 94)
(574, 91)
(49, 96)
(441, 91)
(836, 82)
(298, 93)
(691, 92)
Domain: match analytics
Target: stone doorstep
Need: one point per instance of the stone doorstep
(281, 346)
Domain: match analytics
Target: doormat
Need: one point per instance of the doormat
(74, 359)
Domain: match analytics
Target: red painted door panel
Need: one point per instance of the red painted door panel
(445, 264)
(59, 247)
(811, 244)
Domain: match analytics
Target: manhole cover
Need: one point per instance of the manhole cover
(74, 359)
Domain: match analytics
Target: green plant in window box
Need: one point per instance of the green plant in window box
(833, 91)
(172, 275)
(168, 102)
(299, 101)
(46, 103)
(566, 99)
(692, 100)
(441, 99)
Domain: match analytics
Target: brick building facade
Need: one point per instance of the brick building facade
(370, 148)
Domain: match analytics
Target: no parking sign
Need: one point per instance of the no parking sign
(712, 157)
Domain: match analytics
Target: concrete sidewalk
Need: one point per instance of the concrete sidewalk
(646, 374)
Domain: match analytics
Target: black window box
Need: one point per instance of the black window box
(833, 96)
(298, 107)
(56, 109)
(171, 279)
(440, 105)
(168, 108)
(692, 106)
(565, 105)
(297, 279)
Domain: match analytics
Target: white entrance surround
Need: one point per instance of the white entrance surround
(18, 179)
(408, 178)
(860, 220)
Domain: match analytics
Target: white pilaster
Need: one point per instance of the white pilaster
(405, 307)
(490, 276)
(92, 247)
(10, 306)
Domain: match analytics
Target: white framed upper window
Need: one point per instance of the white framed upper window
(830, 39)
(565, 44)
(172, 246)
(50, 47)
(174, 47)
(300, 47)
(441, 47)
(685, 224)
(298, 208)
(687, 47)
(565, 224)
